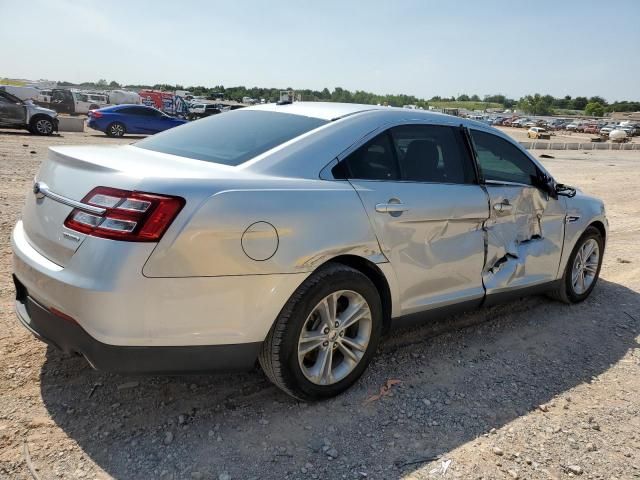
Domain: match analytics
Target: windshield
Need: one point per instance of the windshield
(231, 138)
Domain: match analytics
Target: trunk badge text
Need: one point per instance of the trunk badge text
(71, 236)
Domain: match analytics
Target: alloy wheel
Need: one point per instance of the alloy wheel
(585, 266)
(44, 127)
(117, 130)
(335, 337)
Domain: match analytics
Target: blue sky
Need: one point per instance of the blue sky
(419, 47)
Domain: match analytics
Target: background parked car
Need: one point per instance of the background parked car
(202, 110)
(117, 120)
(592, 128)
(605, 131)
(24, 114)
(538, 133)
(630, 130)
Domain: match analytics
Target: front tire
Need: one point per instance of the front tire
(582, 270)
(326, 334)
(41, 126)
(116, 130)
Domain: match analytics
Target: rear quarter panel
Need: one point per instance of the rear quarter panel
(314, 220)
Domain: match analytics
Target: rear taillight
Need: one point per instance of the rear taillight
(95, 114)
(128, 216)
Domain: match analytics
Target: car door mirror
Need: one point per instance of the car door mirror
(548, 185)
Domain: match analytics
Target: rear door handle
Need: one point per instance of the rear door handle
(503, 206)
(391, 207)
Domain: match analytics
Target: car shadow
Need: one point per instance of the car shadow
(25, 133)
(132, 137)
(460, 377)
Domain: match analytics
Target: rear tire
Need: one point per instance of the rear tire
(581, 274)
(308, 355)
(116, 130)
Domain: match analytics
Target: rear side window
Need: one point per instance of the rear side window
(432, 153)
(233, 137)
(375, 160)
(501, 161)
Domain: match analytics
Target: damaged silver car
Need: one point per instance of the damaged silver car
(292, 234)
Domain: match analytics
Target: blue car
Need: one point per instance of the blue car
(117, 120)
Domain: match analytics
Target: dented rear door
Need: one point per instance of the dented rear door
(525, 230)
(417, 185)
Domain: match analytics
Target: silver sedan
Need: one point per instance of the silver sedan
(291, 234)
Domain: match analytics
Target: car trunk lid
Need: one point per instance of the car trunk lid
(70, 173)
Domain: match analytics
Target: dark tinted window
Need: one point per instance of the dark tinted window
(375, 160)
(128, 110)
(233, 137)
(8, 98)
(145, 112)
(501, 161)
(432, 153)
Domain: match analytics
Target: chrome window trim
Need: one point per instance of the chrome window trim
(505, 182)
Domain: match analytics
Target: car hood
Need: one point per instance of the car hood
(33, 109)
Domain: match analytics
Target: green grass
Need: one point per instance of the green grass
(469, 105)
(6, 81)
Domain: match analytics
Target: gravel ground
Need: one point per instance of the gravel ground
(532, 390)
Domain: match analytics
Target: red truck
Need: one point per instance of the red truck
(165, 101)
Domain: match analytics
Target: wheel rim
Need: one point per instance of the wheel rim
(117, 130)
(44, 126)
(585, 266)
(335, 337)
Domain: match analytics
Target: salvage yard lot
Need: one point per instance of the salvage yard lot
(532, 390)
(561, 136)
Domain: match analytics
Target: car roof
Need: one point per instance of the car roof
(321, 110)
(122, 105)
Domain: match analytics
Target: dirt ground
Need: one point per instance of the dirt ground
(531, 390)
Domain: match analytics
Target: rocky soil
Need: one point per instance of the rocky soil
(531, 390)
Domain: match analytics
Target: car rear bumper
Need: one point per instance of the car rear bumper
(70, 337)
(103, 289)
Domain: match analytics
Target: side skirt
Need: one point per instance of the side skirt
(421, 318)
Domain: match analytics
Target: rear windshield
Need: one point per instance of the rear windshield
(232, 137)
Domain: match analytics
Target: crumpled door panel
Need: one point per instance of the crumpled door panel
(524, 235)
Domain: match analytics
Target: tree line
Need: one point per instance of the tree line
(535, 104)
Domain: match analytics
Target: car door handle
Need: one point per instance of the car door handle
(503, 206)
(391, 207)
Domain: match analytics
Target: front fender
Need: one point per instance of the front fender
(582, 211)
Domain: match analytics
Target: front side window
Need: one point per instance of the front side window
(232, 138)
(501, 161)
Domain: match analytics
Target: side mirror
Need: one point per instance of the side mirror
(549, 185)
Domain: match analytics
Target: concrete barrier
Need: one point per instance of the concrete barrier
(579, 146)
(70, 124)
